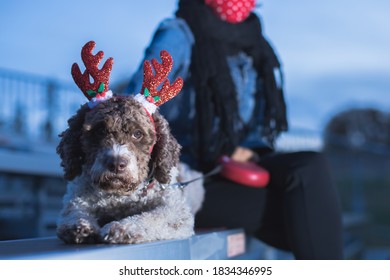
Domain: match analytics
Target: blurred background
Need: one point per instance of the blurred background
(336, 62)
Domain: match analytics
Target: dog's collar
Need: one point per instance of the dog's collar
(149, 182)
(148, 185)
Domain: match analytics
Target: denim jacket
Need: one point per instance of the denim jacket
(175, 36)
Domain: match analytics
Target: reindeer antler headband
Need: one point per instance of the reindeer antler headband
(150, 97)
(96, 91)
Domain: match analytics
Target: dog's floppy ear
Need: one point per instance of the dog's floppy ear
(166, 151)
(69, 148)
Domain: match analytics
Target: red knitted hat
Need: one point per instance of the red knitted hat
(232, 11)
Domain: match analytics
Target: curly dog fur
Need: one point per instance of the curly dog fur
(118, 160)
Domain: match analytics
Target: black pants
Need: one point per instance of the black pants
(298, 211)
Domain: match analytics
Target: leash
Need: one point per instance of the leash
(244, 173)
(182, 185)
(179, 185)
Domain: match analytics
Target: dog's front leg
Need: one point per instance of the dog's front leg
(161, 223)
(77, 225)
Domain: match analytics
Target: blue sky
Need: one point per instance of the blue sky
(335, 53)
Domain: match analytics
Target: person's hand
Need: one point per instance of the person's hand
(242, 154)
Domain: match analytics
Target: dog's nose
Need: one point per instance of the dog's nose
(116, 164)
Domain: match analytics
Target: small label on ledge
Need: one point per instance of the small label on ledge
(235, 244)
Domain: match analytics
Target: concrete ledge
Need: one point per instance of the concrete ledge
(224, 244)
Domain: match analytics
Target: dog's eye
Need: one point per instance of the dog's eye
(137, 135)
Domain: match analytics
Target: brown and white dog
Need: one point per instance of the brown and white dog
(120, 160)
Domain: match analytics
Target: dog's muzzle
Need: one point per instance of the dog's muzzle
(115, 168)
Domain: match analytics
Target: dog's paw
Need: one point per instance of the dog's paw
(116, 233)
(80, 232)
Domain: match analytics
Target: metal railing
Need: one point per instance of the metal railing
(36, 107)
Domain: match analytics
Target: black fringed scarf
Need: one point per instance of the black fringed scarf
(216, 102)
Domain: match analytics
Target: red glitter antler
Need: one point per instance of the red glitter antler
(99, 86)
(152, 81)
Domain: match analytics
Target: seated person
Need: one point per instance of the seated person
(232, 104)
